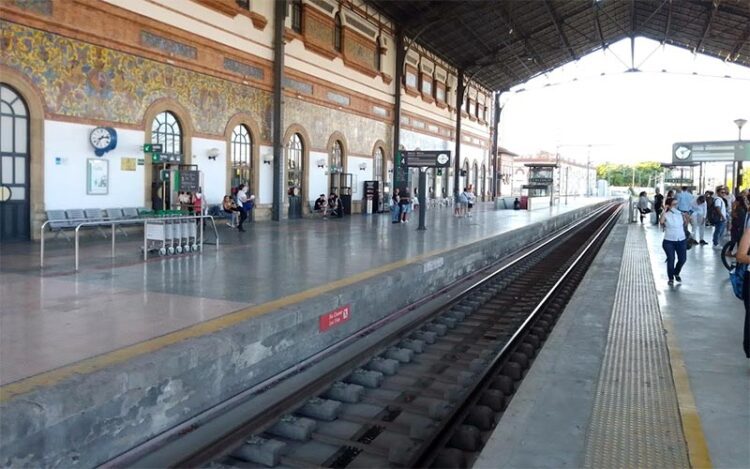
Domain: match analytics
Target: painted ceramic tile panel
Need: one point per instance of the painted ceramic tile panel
(82, 80)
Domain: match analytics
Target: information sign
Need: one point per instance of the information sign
(152, 148)
(426, 158)
(190, 181)
(688, 152)
(334, 318)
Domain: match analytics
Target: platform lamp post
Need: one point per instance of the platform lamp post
(739, 123)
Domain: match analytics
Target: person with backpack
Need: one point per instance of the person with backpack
(718, 215)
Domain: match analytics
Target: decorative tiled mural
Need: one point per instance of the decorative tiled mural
(320, 122)
(82, 80)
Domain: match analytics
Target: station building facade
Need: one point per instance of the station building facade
(197, 77)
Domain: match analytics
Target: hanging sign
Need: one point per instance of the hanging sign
(426, 158)
(689, 152)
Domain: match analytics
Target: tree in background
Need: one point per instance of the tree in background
(639, 175)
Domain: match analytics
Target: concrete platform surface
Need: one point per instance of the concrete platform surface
(56, 317)
(551, 420)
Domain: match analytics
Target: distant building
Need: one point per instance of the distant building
(571, 177)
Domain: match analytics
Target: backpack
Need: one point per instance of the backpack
(737, 279)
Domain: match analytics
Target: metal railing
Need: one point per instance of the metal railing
(117, 222)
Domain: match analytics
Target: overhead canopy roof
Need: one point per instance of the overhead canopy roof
(505, 43)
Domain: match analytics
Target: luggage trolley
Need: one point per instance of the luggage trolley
(156, 235)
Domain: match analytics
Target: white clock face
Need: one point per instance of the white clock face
(682, 152)
(442, 158)
(100, 138)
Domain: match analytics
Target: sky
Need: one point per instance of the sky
(627, 117)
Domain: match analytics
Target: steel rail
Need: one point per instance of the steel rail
(428, 451)
(186, 444)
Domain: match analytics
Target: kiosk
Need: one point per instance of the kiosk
(539, 192)
(679, 175)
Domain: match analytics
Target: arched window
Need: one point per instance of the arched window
(294, 154)
(297, 16)
(337, 157)
(377, 165)
(338, 32)
(166, 130)
(242, 155)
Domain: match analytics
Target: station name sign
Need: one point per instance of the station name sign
(689, 152)
(540, 180)
(426, 158)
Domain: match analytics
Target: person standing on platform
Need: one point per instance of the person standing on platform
(395, 207)
(470, 199)
(675, 241)
(719, 216)
(405, 206)
(241, 200)
(698, 220)
(658, 204)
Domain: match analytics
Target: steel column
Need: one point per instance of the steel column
(496, 165)
(278, 107)
(400, 58)
(459, 105)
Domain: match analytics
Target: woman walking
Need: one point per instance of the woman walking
(675, 241)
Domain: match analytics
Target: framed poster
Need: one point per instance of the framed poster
(97, 176)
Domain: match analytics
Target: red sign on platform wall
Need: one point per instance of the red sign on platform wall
(334, 318)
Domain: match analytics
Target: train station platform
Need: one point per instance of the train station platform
(96, 361)
(640, 374)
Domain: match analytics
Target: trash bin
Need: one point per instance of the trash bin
(524, 202)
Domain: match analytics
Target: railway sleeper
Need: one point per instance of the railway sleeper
(264, 451)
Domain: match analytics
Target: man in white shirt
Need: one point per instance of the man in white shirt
(720, 207)
(241, 199)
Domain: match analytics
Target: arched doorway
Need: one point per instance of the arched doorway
(475, 178)
(295, 151)
(15, 177)
(484, 183)
(166, 131)
(242, 157)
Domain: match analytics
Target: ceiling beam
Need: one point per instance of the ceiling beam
(707, 27)
(504, 16)
(734, 55)
(558, 26)
(598, 25)
(669, 23)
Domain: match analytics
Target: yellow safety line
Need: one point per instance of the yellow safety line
(691, 420)
(90, 365)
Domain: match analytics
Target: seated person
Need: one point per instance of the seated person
(230, 207)
(321, 206)
(335, 207)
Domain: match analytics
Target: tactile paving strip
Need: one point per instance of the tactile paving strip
(635, 420)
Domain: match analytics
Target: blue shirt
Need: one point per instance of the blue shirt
(684, 201)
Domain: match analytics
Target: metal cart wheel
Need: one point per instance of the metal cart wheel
(162, 252)
(170, 250)
(178, 249)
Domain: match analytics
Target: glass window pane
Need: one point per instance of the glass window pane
(17, 193)
(6, 94)
(5, 108)
(20, 170)
(6, 134)
(6, 170)
(19, 108)
(21, 135)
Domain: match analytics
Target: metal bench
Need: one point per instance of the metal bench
(116, 214)
(58, 223)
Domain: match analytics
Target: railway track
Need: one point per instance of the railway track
(427, 396)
